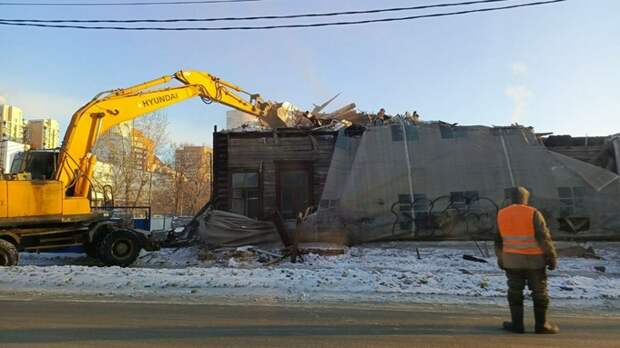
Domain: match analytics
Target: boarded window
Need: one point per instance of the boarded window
(328, 203)
(461, 199)
(420, 203)
(404, 199)
(412, 132)
(398, 133)
(579, 193)
(294, 188)
(246, 194)
(405, 218)
(420, 211)
(572, 200)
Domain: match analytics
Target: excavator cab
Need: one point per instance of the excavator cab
(35, 164)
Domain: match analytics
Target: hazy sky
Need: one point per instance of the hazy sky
(554, 67)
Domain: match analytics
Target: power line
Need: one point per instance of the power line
(283, 26)
(147, 3)
(305, 15)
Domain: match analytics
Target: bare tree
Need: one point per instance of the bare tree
(149, 138)
(163, 199)
(167, 194)
(194, 162)
(190, 183)
(147, 170)
(131, 149)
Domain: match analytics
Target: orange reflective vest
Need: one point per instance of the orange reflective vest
(516, 227)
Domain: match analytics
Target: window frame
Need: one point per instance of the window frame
(281, 166)
(258, 188)
(572, 200)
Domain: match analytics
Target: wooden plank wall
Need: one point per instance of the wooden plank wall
(582, 153)
(585, 149)
(260, 151)
(220, 171)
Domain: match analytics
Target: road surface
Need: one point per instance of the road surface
(87, 323)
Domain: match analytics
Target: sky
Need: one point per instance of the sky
(553, 67)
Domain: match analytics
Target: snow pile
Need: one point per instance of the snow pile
(385, 272)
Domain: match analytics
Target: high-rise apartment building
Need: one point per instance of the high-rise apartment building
(11, 123)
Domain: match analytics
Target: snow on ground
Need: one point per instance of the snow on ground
(380, 272)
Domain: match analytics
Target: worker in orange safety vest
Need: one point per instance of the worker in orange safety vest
(524, 249)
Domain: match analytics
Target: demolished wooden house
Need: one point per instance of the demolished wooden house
(400, 179)
(259, 172)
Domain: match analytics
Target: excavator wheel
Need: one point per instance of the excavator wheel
(98, 231)
(8, 253)
(119, 248)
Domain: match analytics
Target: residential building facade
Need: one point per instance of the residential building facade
(11, 123)
(42, 134)
(143, 151)
(260, 172)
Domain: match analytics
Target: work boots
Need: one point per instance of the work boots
(516, 325)
(542, 325)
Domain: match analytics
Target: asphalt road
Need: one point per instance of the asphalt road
(56, 323)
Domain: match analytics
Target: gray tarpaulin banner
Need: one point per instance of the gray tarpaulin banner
(218, 228)
(616, 142)
(434, 180)
(595, 177)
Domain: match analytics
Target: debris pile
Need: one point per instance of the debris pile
(216, 229)
(247, 255)
(226, 237)
(288, 115)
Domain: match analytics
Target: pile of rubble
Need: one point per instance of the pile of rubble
(288, 115)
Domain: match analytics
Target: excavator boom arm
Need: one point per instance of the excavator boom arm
(108, 109)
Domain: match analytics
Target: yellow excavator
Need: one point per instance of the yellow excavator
(47, 204)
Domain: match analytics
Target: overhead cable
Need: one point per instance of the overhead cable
(282, 26)
(304, 15)
(145, 3)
